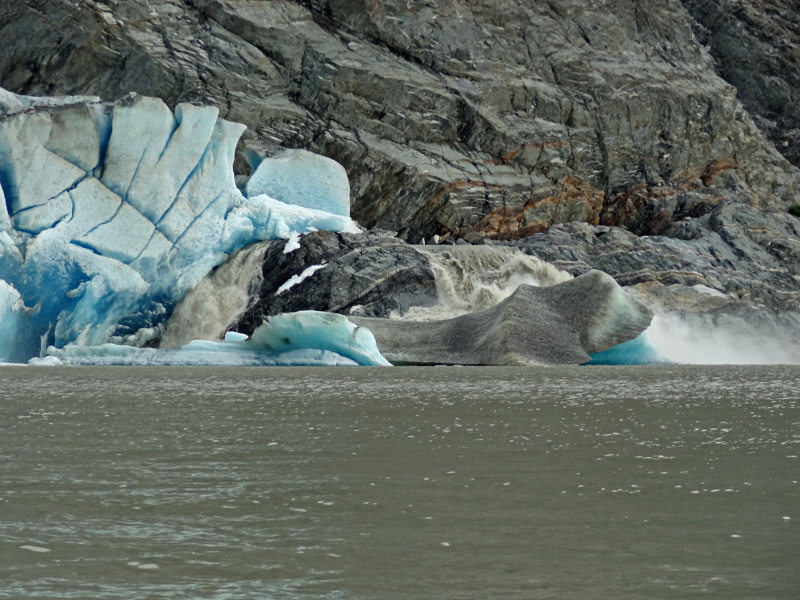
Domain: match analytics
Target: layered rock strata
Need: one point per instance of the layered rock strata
(495, 118)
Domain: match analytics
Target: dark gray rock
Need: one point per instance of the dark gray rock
(756, 48)
(533, 326)
(739, 250)
(501, 118)
(367, 274)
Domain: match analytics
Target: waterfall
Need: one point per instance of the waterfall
(471, 278)
(218, 300)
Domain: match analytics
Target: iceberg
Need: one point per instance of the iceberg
(305, 338)
(320, 330)
(111, 212)
(534, 326)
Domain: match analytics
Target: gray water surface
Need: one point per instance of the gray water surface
(400, 483)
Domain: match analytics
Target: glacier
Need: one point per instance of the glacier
(111, 212)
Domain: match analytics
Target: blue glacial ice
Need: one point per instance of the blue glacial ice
(285, 177)
(111, 213)
(306, 338)
(638, 351)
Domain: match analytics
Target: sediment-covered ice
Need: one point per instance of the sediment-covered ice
(111, 213)
(294, 339)
(560, 324)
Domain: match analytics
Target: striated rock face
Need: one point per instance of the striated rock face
(533, 326)
(756, 48)
(484, 118)
(744, 254)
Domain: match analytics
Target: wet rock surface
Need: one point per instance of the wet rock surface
(368, 274)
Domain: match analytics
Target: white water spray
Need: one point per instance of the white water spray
(704, 339)
(471, 278)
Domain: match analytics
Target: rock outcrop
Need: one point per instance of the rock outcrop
(367, 274)
(756, 48)
(737, 251)
(534, 326)
(495, 118)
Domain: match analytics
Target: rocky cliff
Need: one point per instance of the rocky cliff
(669, 129)
(499, 117)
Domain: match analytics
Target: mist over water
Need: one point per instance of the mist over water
(701, 340)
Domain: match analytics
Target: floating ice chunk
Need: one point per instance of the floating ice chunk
(199, 353)
(40, 549)
(47, 361)
(303, 178)
(325, 331)
(295, 279)
(305, 338)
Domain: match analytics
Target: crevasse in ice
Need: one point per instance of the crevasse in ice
(110, 213)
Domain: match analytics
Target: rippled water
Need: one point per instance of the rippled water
(402, 483)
